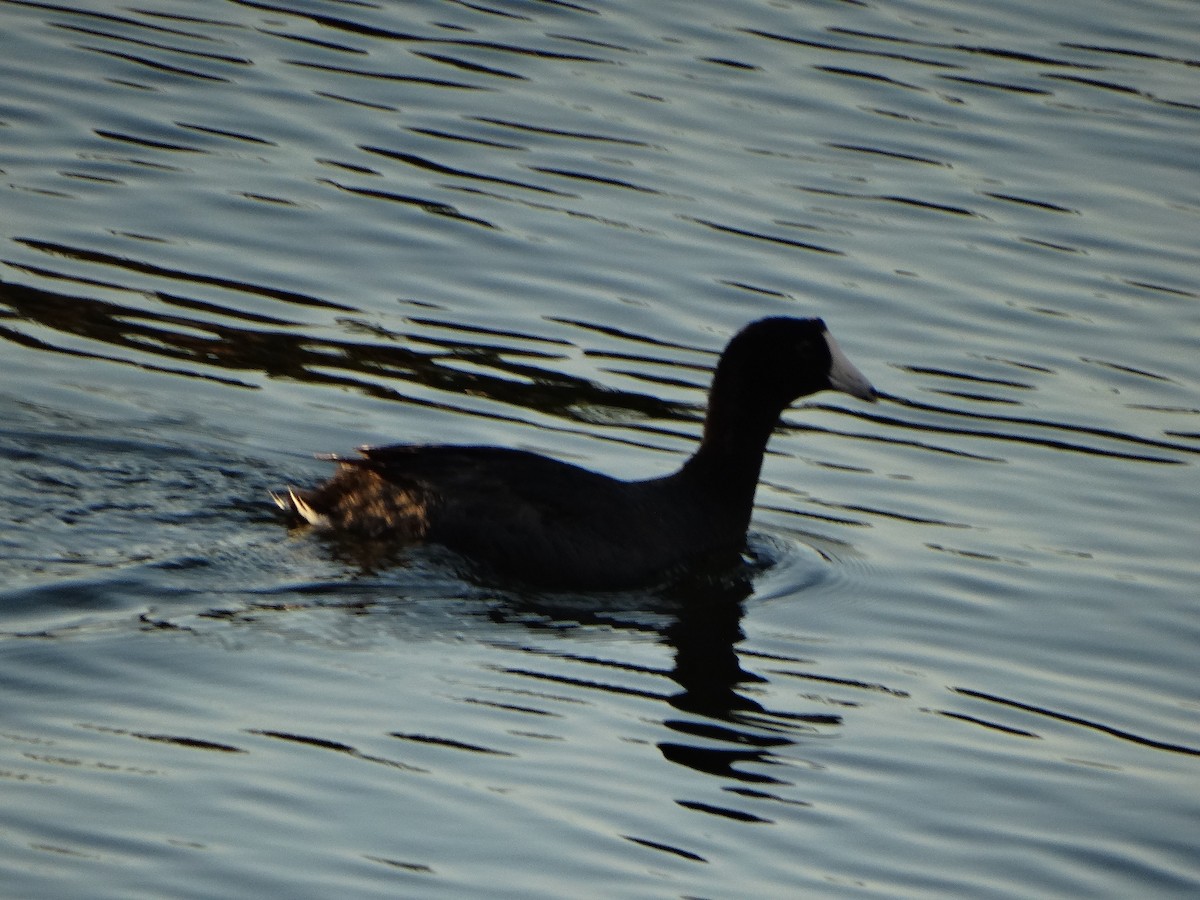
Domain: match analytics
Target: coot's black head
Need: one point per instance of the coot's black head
(775, 361)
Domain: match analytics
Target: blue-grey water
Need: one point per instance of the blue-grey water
(964, 662)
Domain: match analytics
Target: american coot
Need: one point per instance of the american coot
(554, 524)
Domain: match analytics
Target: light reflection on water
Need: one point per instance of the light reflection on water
(237, 234)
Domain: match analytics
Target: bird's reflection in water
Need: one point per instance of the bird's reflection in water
(717, 725)
(722, 729)
(727, 728)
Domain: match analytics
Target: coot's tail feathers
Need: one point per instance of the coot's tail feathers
(296, 505)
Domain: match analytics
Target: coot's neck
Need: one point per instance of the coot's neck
(726, 465)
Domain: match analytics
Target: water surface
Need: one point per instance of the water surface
(961, 662)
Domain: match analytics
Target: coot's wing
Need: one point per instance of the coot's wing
(460, 473)
(547, 520)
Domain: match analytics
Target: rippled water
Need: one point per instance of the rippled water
(238, 233)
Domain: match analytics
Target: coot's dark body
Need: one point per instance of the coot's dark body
(555, 524)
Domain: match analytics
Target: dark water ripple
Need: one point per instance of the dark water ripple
(516, 383)
(1075, 720)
